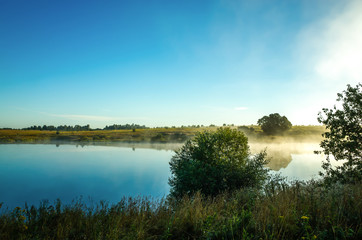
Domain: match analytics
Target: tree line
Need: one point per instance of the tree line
(124, 127)
(85, 127)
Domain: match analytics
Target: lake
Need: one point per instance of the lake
(34, 172)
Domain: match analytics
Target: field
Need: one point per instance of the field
(254, 133)
(139, 135)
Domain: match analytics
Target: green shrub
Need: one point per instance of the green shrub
(214, 162)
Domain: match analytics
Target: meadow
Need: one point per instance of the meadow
(163, 135)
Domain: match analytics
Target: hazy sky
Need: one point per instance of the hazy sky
(175, 62)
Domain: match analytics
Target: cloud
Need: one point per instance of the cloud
(95, 118)
(85, 117)
(241, 108)
(332, 47)
(328, 57)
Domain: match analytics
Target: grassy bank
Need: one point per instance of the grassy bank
(278, 211)
(254, 133)
(139, 135)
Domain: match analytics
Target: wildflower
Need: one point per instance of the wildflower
(281, 217)
(22, 218)
(314, 237)
(304, 217)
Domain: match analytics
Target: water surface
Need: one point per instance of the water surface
(33, 172)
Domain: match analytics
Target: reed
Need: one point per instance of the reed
(280, 210)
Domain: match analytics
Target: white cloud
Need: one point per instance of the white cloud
(332, 47)
(329, 56)
(85, 117)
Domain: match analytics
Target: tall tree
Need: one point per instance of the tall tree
(274, 124)
(343, 140)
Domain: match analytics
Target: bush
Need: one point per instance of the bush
(214, 162)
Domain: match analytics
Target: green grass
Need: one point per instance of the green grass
(140, 135)
(163, 135)
(278, 211)
(295, 134)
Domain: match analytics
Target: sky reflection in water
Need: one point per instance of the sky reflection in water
(30, 173)
(34, 172)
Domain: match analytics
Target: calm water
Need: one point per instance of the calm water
(30, 173)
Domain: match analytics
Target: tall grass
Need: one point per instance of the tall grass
(278, 211)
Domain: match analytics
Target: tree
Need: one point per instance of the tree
(274, 124)
(343, 140)
(214, 162)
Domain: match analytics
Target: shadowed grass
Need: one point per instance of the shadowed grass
(278, 211)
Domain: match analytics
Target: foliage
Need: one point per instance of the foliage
(274, 124)
(279, 211)
(86, 127)
(344, 138)
(126, 126)
(214, 162)
(59, 128)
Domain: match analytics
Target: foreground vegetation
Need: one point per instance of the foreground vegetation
(276, 211)
(215, 162)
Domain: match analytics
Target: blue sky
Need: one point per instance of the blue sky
(163, 63)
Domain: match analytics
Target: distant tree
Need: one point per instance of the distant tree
(344, 139)
(214, 162)
(274, 124)
(247, 130)
(123, 127)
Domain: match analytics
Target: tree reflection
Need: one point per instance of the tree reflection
(279, 159)
(280, 154)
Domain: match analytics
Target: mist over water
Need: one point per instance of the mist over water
(281, 154)
(34, 172)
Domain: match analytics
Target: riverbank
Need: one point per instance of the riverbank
(278, 211)
(160, 135)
